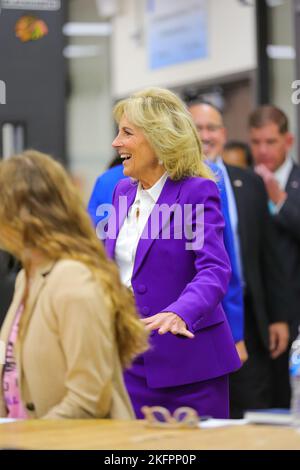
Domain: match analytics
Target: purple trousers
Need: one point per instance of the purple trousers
(208, 397)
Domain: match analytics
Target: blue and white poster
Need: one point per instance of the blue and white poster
(176, 31)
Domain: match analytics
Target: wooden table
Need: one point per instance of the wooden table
(113, 435)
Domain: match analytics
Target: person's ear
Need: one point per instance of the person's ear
(224, 131)
(289, 141)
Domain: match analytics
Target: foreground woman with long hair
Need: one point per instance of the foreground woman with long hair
(72, 325)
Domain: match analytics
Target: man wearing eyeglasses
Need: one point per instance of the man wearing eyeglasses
(266, 330)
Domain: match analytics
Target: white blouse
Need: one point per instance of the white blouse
(133, 227)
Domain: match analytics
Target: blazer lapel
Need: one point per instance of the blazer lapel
(116, 220)
(293, 181)
(35, 288)
(168, 197)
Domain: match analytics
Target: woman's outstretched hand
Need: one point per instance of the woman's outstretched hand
(166, 322)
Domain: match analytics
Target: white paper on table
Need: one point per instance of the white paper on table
(7, 420)
(219, 423)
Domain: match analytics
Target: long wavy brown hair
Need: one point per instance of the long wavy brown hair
(40, 209)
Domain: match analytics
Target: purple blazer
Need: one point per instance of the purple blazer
(177, 275)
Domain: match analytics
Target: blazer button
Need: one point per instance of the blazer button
(141, 288)
(145, 310)
(30, 406)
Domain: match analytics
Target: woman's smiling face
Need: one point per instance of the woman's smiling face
(139, 159)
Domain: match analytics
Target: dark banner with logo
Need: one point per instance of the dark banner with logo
(32, 76)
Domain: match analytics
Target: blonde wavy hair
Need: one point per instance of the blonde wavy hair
(169, 129)
(41, 209)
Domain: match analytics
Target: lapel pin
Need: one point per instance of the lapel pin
(294, 184)
(238, 183)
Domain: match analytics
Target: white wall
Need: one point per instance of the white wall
(231, 36)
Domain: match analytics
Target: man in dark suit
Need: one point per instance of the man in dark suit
(266, 329)
(271, 142)
(266, 296)
(8, 271)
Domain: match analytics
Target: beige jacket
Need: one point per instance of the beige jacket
(65, 352)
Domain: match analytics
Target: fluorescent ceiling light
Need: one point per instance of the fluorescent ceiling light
(75, 52)
(281, 52)
(87, 29)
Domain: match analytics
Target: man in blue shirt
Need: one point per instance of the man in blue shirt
(103, 191)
